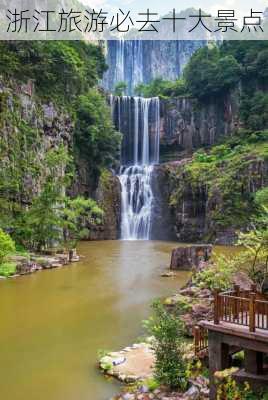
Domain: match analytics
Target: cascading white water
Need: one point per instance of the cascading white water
(143, 122)
(136, 201)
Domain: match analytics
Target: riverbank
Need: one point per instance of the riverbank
(32, 262)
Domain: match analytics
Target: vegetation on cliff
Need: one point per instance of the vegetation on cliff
(228, 175)
(95, 138)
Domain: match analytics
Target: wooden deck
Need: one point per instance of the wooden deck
(240, 323)
(238, 313)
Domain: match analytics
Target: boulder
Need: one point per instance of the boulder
(241, 279)
(168, 274)
(185, 258)
(192, 393)
(27, 267)
(199, 312)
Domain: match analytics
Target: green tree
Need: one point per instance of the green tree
(77, 215)
(41, 225)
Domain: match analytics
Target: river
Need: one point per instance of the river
(52, 323)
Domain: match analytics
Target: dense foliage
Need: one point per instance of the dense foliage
(76, 215)
(61, 70)
(253, 259)
(211, 73)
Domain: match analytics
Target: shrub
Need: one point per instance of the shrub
(7, 245)
(171, 369)
(152, 384)
(217, 275)
(7, 269)
(120, 88)
(228, 389)
(159, 87)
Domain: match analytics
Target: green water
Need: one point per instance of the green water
(53, 322)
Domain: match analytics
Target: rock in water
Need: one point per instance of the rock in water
(185, 258)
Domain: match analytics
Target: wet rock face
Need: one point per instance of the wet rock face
(185, 258)
(162, 227)
(108, 196)
(188, 125)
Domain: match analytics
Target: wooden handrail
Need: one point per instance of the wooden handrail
(241, 307)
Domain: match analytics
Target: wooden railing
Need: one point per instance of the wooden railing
(241, 307)
(200, 340)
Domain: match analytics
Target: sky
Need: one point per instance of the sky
(242, 7)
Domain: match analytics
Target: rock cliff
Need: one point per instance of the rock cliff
(30, 129)
(187, 125)
(202, 211)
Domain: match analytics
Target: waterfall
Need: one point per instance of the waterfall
(139, 121)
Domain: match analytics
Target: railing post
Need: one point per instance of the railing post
(253, 288)
(236, 301)
(196, 339)
(252, 315)
(216, 307)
